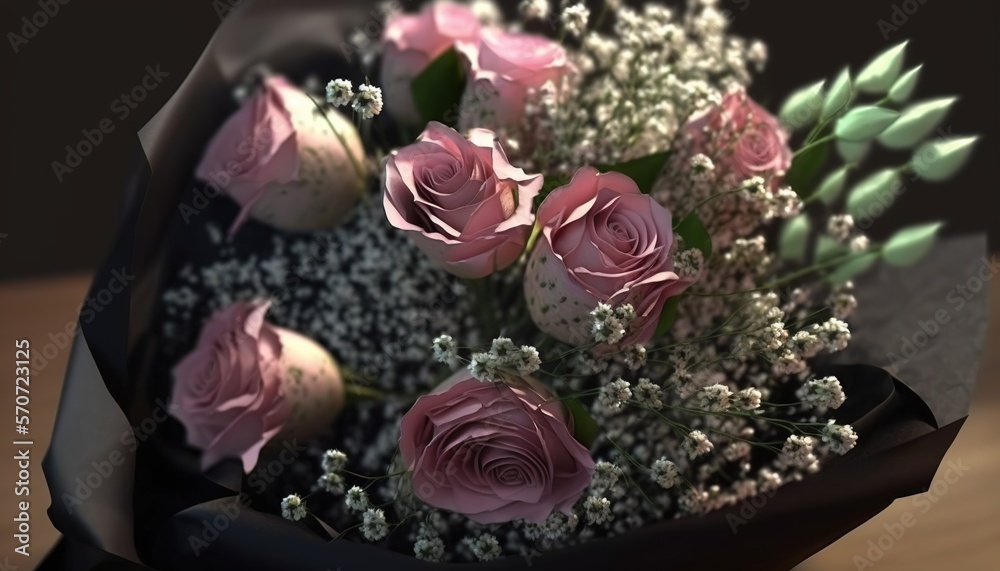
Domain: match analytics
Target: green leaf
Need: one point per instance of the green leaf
(853, 152)
(794, 238)
(644, 170)
(803, 106)
(915, 123)
(907, 246)
(879, 75)
(437, 91)
(865, 122)
(805, 168)
(853, 267)
(585, 429)
(939, 160)
(694, 234)
(827, 249)
(839, 95)
(667, 316)
(905, 85)
(877, 191)
(833, 185)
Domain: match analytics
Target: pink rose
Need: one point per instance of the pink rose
(412, 42)
(279, 160)
(504, 66)
(742, 138)
(602, 240)
(460, 200)
(247, 382)
(494, 452)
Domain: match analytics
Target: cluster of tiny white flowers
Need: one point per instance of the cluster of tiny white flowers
(333, 463)
(487, 12)
(714, 398)
(834, 334)
(648, 394)
(526, 360)
(356, 499)
(840, 227)
(610, 325)
(534, 9)
(807, 344)
(842, 301)
(373, 524)
(485, 367)
(784, 203)
(339, 92)
(614, 395)
(635, 357)
(749, 254)
(840, 438)
(697, 444)
(859, 243)
(597, 510)
(823, 393)
(574, 19)
(429, 549)
(747, 399)
(504, 354)
(445, 349)
(702, 168)
(798, 452)
(485, 547)
(665, 473)
(605, 477)
(689, 263)
(293, 507)
(368, 101)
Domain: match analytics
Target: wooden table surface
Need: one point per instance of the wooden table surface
(955, 526)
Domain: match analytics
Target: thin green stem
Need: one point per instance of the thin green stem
(813, 144)
(354, 160)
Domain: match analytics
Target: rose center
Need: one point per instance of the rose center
(510, 476)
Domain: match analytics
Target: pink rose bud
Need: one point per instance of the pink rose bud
(279, 160)
(494, 452)
(741, 138)
(504, 67)
(604, 241)
(247, 383)
(460, 201)
(412, 42)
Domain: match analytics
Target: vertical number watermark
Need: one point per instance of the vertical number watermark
(22, 445)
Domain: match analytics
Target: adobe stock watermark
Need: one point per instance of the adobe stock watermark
(361, 38)
(888, 196)
(262, 475)
(899, 16)
(34, 22)
(87, 312)
(956, 298)
(121, 107)
(104, 467)
(223, 8)
(749, 507)
(896, 531)
(219, 180)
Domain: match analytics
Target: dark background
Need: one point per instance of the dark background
(66, 77)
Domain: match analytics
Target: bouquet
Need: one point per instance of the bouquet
(497, 288)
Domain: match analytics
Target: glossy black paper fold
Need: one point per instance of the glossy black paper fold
(149, 508)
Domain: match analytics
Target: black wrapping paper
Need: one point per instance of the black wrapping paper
(156, 510)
